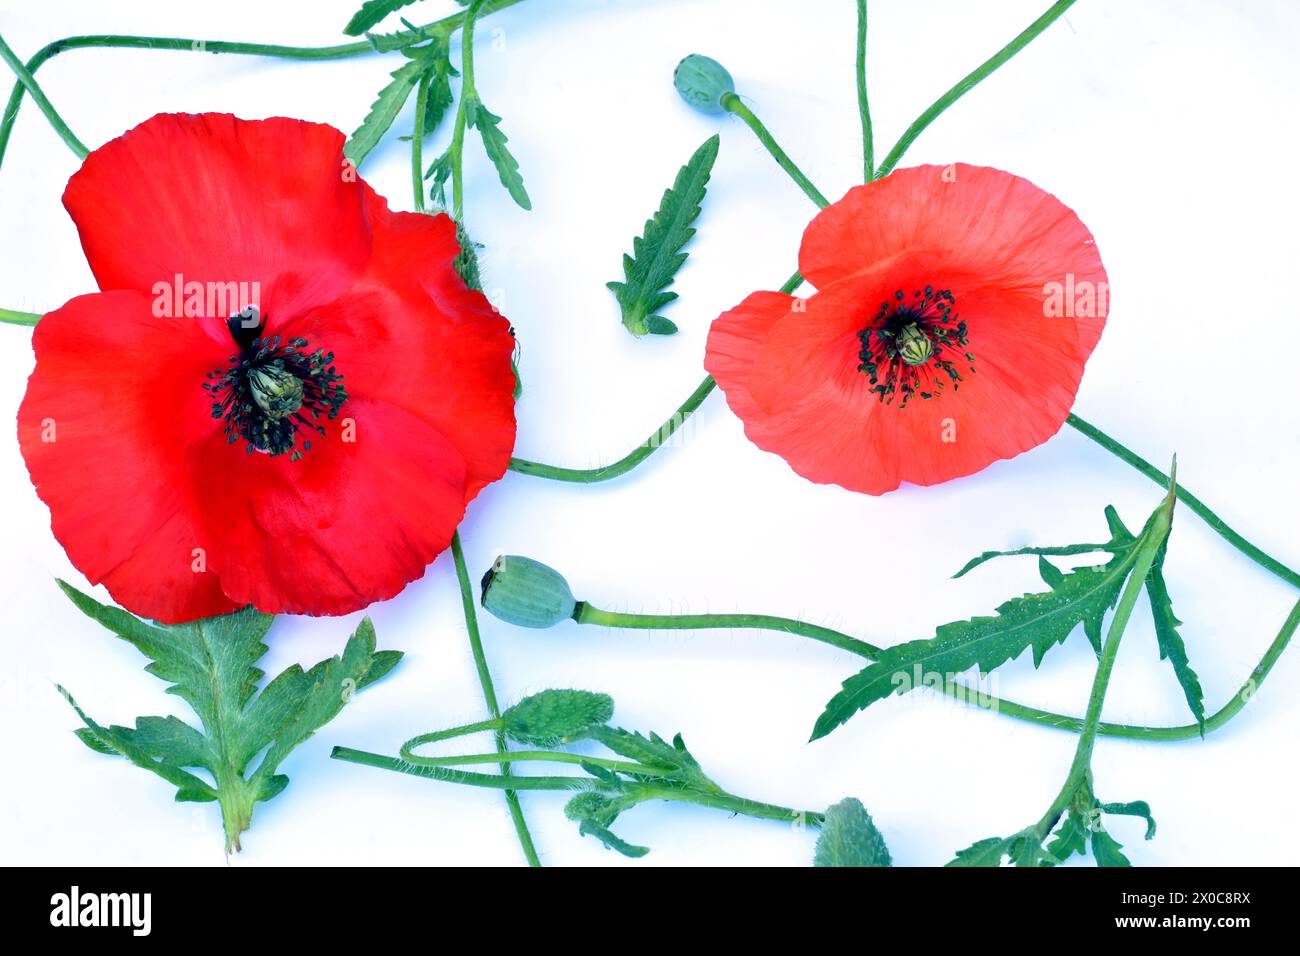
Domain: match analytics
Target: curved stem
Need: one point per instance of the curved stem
(969, 82)
(868, 148)
(1217, 524)
(27, 80)
(1133, 732)
(732, 104)
(589, 614)
(490, 695)
(452, 732)
(379, 44)
(12, 317)
(628, 461)
(647, 447)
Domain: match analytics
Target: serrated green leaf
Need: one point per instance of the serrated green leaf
(1106, 850)
(1121, 540)
(440, 171)
(1070, 838)
(1037, 621)
(654, 751)
(1170, 641)
(383, 111)
(657, 253)
(986, 852)
(371, 12)
(1134, 808)
(849, 838)
(211, 665)
(439, 99)
(494, 142)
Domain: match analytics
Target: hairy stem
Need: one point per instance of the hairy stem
(1217, 524)
(394, 41)
(27, 80)
(589, 614)
(490, 695)
(864, 111)
(647, 447)
(733, 104)
(968, 83)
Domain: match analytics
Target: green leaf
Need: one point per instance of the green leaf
(1038, 621)
(1106, 850)
(439, 98)
(987, 852)
(1121, 540)
(211, 665)
(850, 838)
(383, 111)
(494, 141)
(1071, 838)
(611, 840)
(654, 751)
(1170, 641)
(440, 171)
(657, 253)
(1134, 808)
(371, 12)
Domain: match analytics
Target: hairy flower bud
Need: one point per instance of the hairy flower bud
(526, 592)
(551, 717)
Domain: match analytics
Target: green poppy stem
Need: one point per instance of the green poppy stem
(968, 83)
(733, 104)
(27, 80)
(11, 317)
(864, 111)
(587, 613)
(490, 697)
(394, 41)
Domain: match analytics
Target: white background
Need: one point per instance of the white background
(1170, 128)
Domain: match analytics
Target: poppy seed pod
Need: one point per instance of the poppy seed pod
(702, 82)
(527, 593)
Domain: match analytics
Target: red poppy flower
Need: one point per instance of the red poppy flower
(283, 395)
(955, 310)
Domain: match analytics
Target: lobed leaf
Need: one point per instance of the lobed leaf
(494, 142)
(212, 665)
(1037, 621)
(657, 254)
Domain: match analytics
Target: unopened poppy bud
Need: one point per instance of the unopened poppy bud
(526, 592)
(552, 717)
(702, 82)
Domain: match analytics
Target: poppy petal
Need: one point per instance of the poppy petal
(110, 409)
(214, 200)
(411, 334)
(360, 516)
(982, 219)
